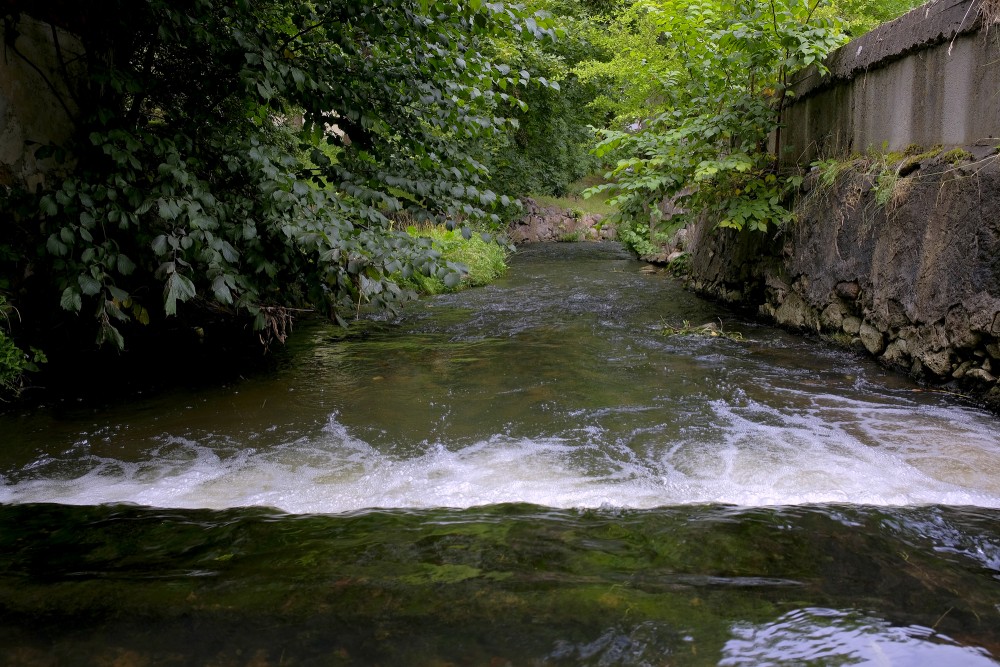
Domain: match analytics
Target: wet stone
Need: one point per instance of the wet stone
(795, 312)
(851, 325)
(850, 291)
(896, 353)
(938, 362)
(833, 315)
(962, 369)
(872, 338)
(981, 375)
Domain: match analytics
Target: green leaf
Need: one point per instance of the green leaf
(71, 300)
(178, 288)
(118, 293)
(222, 291)
(125, 265)
(109, 334)
(168, 209)
(88, 284)
(56, 247)
(160, 245)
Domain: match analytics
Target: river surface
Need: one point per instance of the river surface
(529, 473)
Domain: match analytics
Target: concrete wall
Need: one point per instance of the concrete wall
(36, 106)
(930, 77)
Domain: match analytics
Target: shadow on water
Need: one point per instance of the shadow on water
(530, 473)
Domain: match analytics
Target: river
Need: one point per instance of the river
(529, 473)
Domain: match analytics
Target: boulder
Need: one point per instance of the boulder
(872, 338)
(851, 325)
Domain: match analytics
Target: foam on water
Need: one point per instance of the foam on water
(828, 449)
(830, 636)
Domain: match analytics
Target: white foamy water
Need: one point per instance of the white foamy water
(828, 636)
(829, 450)
(564, 396)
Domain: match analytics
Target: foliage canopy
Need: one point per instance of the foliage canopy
(250, 157)
(713, 78)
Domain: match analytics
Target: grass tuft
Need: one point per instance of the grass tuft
(576, 202)
(484, 260)
(710, 329)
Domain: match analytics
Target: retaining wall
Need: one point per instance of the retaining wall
(929, 77)
(912, 278)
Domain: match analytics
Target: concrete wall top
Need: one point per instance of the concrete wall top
(933, 23)
(929, 78)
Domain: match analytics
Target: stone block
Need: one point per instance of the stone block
(850, 291)
(981, 375)
(833, 315)
(962, 369)
(872, 338)
(795, 312)
(938, 362)
(896, 354)
(958, 331)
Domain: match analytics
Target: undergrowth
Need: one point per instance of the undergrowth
(574, 199)
(480, 258)
(890, 173)
(14, 362)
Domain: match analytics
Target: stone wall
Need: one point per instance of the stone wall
(541, 223)
(929, 77)
(897, 257)
(914, 282)
(36, 107)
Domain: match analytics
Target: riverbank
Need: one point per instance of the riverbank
(899, 260)
(189, 352)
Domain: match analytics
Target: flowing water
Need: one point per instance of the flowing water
(529, 473)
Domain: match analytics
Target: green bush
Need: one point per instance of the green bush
(246, 160)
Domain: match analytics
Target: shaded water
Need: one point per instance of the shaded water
(559, 482)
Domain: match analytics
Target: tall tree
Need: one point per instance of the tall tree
(711, 79)
(550, 146)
